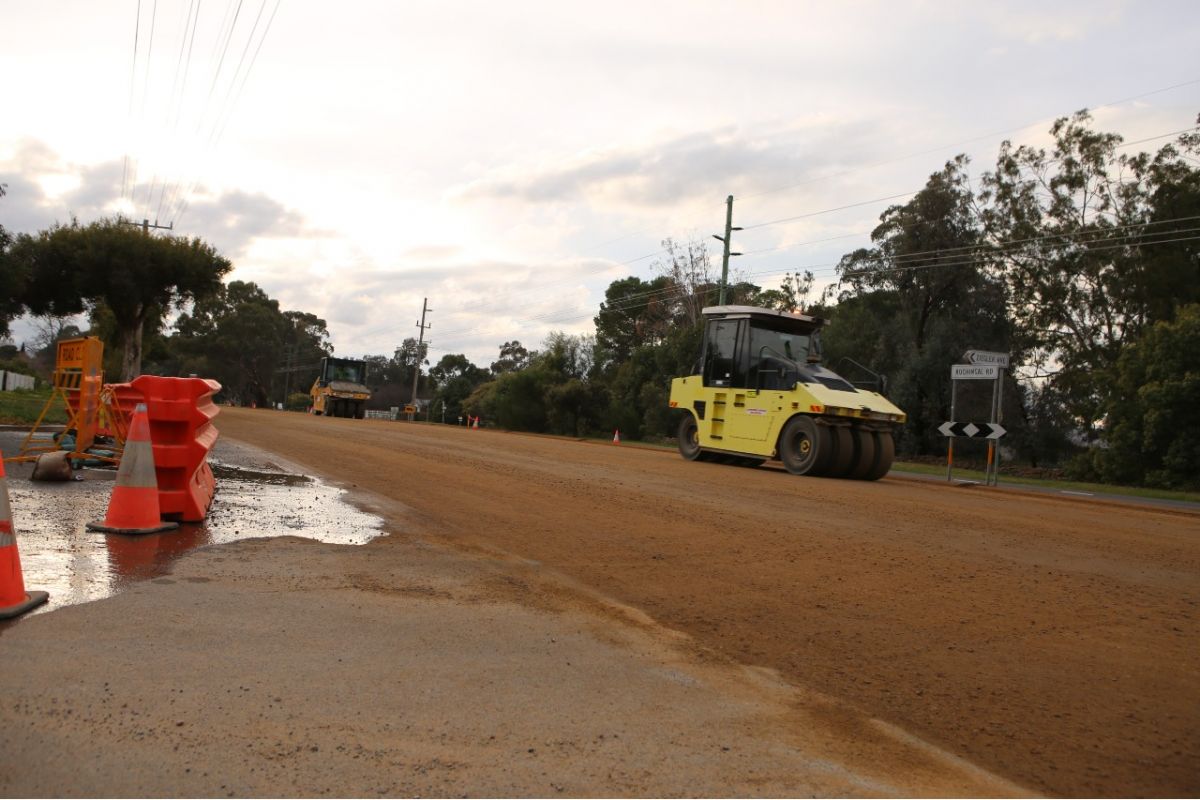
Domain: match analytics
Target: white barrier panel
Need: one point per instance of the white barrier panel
(381, 414)
(13, 380)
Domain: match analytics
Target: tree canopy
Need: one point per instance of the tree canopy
(69, 269)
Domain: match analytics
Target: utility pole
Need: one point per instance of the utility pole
(146, 226)
(425, 309)
(725, 254)
(290, 357)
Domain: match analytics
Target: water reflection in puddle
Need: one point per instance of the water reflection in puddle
(76, 566)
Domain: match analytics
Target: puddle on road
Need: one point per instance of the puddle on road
(76, 566)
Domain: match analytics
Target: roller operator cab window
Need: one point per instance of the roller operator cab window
(345, 372)
(721, 362)
(775, 355)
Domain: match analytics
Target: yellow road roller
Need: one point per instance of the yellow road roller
(760, 392)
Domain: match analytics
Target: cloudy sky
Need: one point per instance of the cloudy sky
(509, 160)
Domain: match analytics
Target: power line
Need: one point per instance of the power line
(137, 25)
(224, 102)
(830, 210)
(222, 42)
(972, 140)
(146, 82)
(246, 77)
(917, 191)
(1033, 239)
(981, 259)
(903, 263)
(900, 262)
(225, 111)
(175, 107)
(176, 92)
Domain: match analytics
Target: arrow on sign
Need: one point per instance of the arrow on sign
(972, 430)
(987, 357)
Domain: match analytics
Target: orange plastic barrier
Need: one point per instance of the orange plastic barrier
(181, 412)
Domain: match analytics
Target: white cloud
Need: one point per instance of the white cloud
(703, 163)
(504, 160)
(231, 220)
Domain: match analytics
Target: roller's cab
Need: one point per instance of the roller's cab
(340, 390)
(760, 392)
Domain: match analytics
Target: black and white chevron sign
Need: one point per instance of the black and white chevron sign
(972, 430)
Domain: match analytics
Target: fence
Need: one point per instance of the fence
(14, 380)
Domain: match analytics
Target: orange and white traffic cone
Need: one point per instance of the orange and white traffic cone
(14, 600)
(133, 507)
(476, 425)
(616, 436)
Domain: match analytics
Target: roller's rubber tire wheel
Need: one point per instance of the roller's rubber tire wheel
(804, 446)
(864, 454)
(841, 459)
(885, 454)
(689, 439)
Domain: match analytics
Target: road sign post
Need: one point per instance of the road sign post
(981, 365)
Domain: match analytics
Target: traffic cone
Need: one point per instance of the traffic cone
(476, 425)
(616, 436)
(133, 507)
(14, 600)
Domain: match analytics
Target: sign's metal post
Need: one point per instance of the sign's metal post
(991, 455)
(999, 420)
(950, 439)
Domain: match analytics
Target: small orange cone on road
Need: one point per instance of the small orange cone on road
(616, 436)
(476, 425)
(133, 507)
(14, 600)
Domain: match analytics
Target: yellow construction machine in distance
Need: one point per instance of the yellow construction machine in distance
(760, 392)
(340, 390)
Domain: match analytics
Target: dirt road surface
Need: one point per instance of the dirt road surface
(624, 622)
(1053, 641)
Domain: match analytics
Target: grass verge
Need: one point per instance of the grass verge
(22, 407)
(1073, 486)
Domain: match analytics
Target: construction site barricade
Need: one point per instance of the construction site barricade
(181, 412)
(123, 400)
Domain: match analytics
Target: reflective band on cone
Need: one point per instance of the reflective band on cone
(133, 507)
(14, 600)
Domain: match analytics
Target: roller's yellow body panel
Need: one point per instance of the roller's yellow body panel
(749, 421)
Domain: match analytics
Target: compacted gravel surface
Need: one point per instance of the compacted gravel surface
(845, 637)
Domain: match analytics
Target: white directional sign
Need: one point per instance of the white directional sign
(987, 357)
(971, 372)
